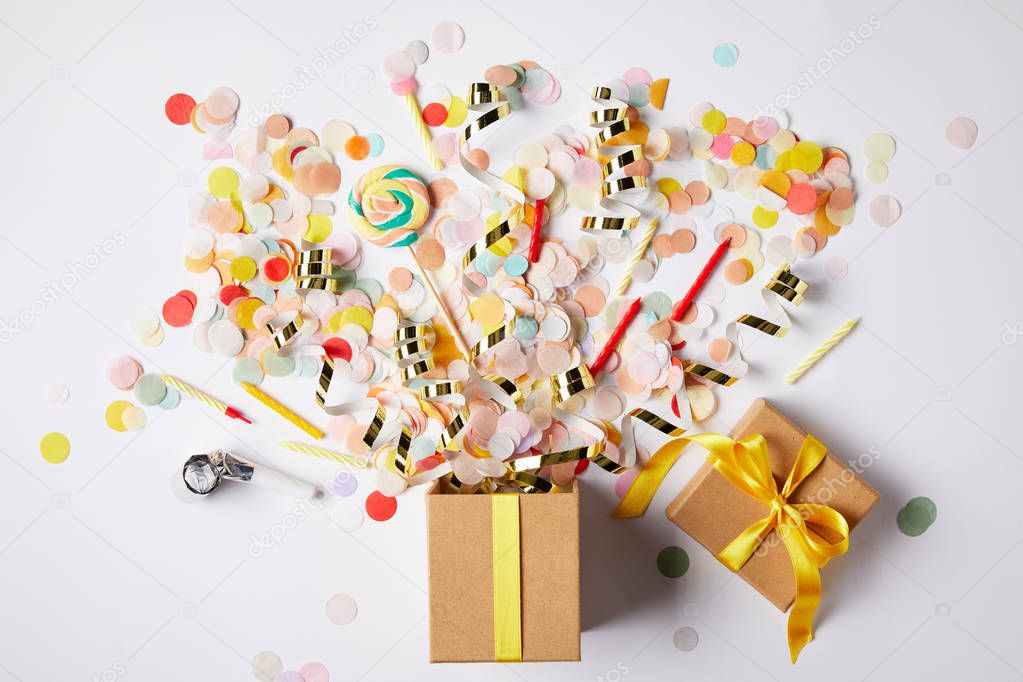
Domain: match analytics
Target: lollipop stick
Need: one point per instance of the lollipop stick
(423, 131)
(463, 347)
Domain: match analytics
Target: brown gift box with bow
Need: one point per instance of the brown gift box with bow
(714, 512)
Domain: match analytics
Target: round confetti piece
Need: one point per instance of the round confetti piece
(289, 676)
(341, 609)
(114, 412)
(357, 148)
(683, 240)
(345, 484)
(376, 145)
(314, 671)
(516, 265)
(685, 639)
(266, 664)
(177, 311)
(879, 147)
(178, 108)
(885, 210)
(434, 114)
(764, 218)
(917, 516)
(134, 418)
(726, 54)
(448, 37)
(171, 400)
(221, 103)
(672, 562)
(430, 253)
(222, 182)
(876, 171)
(419, 51)
(738, 271)
(380, 507)
(399, 66)
(277, 126)
(55, 447)
(713, 121)
(961, 132)
(150, 389)
(247, 371)
(123, 372)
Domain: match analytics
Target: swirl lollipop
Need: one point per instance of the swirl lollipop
(387, 205)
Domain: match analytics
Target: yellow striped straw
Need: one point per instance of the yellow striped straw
(819, 352)
(280, 409)
(324, 453)
(424, 132)
(188, 389)
(637, 255)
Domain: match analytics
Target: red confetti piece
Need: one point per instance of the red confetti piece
(190, 295)
(179, 108)
(178, 311)
(435, 114)
(276, 269)
(380, 507)
(231, 292)
(338, 348)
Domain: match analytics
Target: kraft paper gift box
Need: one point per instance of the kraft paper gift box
(507, 595)
(714, 512)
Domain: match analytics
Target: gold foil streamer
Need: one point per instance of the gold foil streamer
(611, 120)
(315, 272)
(488, 99)
(628, 430)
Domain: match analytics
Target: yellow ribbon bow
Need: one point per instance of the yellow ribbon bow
(813, 533)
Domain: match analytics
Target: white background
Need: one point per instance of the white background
(102, 569)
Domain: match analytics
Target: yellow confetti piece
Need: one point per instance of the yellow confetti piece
(714, 121)
(222, 182)
(359, 316)
(764, 218)
(516, 177)
(320, 227)
(457, 112)
(243, 268)
(777, 182)
(246, 311)
(488, 310)
(743, 154)
(55, 447)
(807, 157)
(668, 185)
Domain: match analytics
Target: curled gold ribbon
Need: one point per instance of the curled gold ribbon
(491, 102)
(813, 534)
(611, 120)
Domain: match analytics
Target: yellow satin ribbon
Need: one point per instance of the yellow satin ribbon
(504, 509)
(813, 533)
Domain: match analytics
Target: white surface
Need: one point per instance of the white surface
(105, 575)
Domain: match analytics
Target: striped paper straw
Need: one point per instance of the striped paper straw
(820, 351)
(423, 130)
(637, 255)
(324, 453)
